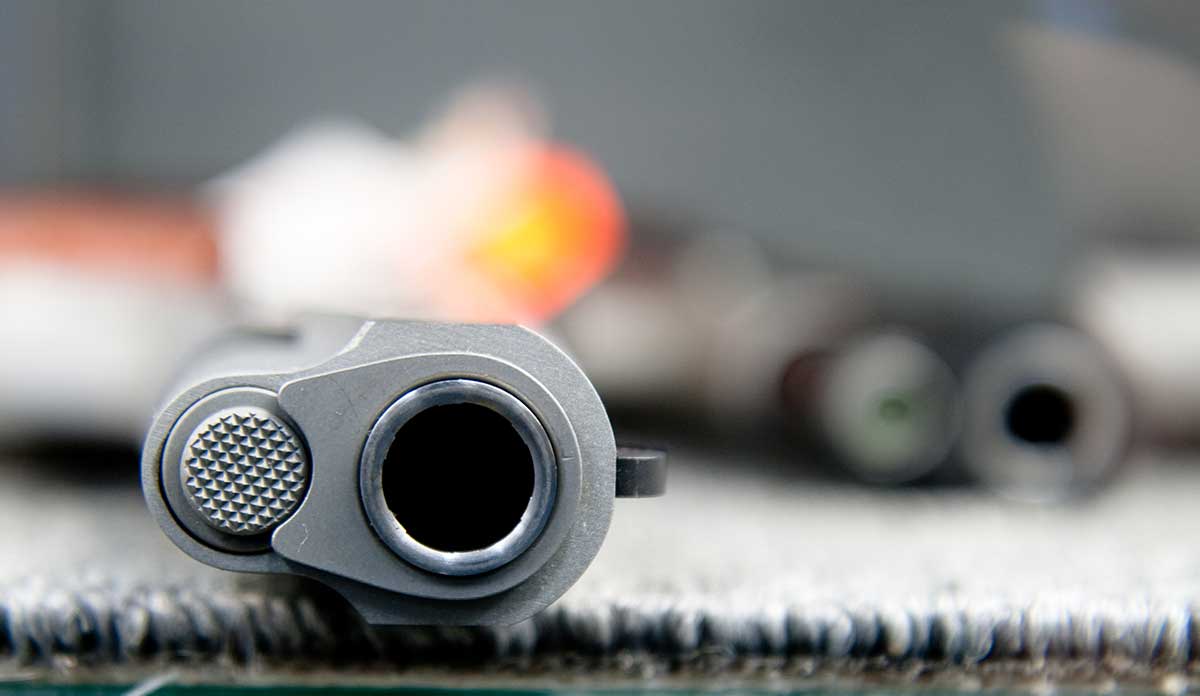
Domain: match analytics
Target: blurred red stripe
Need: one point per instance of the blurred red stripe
(143, 237)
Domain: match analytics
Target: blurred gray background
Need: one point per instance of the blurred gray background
(890, 138)
(899, 140)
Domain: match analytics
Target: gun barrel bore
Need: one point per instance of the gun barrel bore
(1040, 414)
(458, 477)
(429, 473)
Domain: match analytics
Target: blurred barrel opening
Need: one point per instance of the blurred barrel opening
(1047, 415)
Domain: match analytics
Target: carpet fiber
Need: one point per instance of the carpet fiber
(744, 573)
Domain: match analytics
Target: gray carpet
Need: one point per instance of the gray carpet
(742, 574)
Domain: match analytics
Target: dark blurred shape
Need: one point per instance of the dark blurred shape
(705, 330)
(718, 336)
(1047, 415)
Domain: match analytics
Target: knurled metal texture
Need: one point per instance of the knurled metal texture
(244, 470)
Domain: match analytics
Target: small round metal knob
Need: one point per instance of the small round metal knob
(244, 470)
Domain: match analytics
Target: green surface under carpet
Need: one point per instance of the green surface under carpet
(177, 690)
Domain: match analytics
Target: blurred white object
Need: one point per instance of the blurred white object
(91, 354)
(1143, 304)
(340, 218)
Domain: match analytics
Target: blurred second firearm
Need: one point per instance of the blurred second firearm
(712, 335)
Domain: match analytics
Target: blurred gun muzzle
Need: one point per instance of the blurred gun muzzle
(717, 341)
(1047, 416)
(429, 473)
(885, 405)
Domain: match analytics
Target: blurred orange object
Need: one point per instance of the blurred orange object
(146, 238)
(556, 233)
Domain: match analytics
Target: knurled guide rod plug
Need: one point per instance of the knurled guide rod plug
(429, 473)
